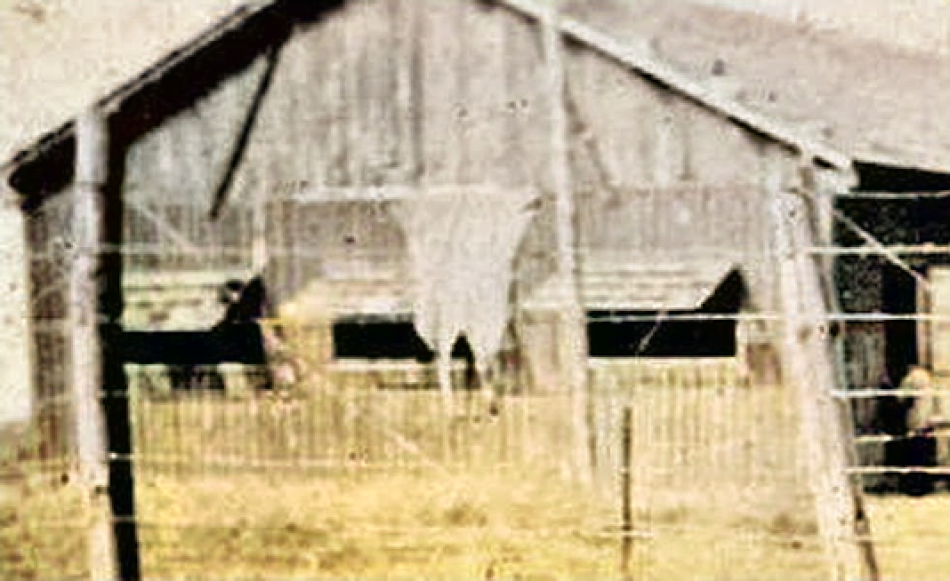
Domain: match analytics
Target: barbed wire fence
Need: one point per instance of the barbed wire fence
(695, 421)
(352, 467)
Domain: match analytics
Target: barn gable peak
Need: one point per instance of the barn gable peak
(233, 43)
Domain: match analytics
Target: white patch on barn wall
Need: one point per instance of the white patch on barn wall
(15, 378)
(683, 215)
(461, 244)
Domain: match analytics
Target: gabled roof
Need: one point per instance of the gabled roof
(632, 54)
(51, 66)
(170, 85)
(875, 102)
(232, 44)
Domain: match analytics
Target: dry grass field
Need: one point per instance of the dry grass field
(415, 527)
(369, 484)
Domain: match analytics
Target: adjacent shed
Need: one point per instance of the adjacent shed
(884, 107)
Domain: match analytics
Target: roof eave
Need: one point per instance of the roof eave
(56, 145)
(644, 63)
(270, 20)
(903, 160)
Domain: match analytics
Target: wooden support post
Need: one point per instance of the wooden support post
(821, 217)
(572, 341)
(809, 367)
(86, 364)
(626, 498)
(16, 357)
(98, 381)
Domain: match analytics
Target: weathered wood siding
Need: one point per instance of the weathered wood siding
(659, 177)
(49, 254)
(435, 93)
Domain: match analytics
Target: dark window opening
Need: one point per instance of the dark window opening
(377, 338)
(899, 298)
(385, 337)
(874, 177)
(671, 334)
(880, 286)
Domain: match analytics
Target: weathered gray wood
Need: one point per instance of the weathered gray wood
(810, 369)
(439, 68)
(572, 344)
(16, 359)
(626, 492)
(821, 217)
(92, 162)
(485, 89)
(259, 248)
(171, 232)
(640, 59)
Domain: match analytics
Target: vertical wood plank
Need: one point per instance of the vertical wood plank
(439, 69)
(572, 342)
(92, 162)
(626, 492)
(484, 88)
(352, 96)
(259, 207)
(808, 364)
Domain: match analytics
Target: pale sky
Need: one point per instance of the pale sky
(56, 56)
(918, 24)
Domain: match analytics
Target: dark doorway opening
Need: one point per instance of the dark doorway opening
(670, 334)
(899, 297)
(875, 177)
(910, 220)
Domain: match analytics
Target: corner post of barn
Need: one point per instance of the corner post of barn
(810, 369)
(572, 337)
(819, 189)
(98, 383)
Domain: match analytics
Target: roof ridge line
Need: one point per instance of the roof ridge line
(632, 57)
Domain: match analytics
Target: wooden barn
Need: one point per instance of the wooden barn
(326, 144)
(283, 136)
(396, 174)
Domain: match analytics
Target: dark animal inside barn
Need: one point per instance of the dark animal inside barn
(485, 375)
(192, 357)
(890, 411)
(913, 444)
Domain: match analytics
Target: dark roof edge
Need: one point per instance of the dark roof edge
(105, 104)
(246, 32)
(921, 162)
(59, 143)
